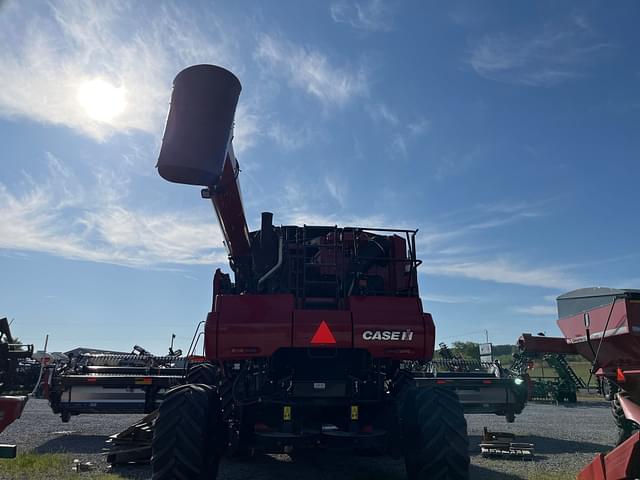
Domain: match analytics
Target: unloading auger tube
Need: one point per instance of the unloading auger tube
(197, 149)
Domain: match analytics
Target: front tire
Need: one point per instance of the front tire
(189, 435)
(434, 431)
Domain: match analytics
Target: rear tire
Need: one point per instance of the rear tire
(189, 435)
(434, 432)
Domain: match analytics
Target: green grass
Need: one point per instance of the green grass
(46, 466)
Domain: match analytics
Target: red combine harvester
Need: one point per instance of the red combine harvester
(319, 340)
(603, 325)
(11, 406)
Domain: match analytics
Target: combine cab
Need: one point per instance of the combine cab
(320, 337)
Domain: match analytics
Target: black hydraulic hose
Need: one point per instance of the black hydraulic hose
(596, 354)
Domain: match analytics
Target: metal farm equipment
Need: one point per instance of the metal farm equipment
(320, 337)
(11, 406)
(603, 325)
(105, 383)
(561, 388)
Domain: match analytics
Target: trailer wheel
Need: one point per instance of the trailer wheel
(625, 427)
(189, 435)
(205, 373)
(434, 431)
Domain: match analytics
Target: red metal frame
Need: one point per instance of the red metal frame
(10, 410)
(253, 326)
(619, 464)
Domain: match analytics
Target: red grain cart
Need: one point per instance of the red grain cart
(603, 325)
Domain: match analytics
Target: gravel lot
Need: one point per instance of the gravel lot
(565, 438)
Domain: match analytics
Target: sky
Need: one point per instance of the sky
(506, 132)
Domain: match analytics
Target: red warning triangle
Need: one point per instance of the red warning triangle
(323, 335)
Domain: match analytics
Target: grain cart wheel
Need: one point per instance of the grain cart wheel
(205, 372)
(434, 433)
(189, 435)
(625, 427)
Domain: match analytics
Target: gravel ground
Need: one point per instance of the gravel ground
(565, 438)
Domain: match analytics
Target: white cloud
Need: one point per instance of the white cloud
(300, 206)
(402, 135)
(337, 188)
(457, 163)
(374, 15)
(541, 310)
(381, 113)
(311, 71)
(503, 271)
(289, 138)
(47, 54)
(59, 217)
(450, 299)
(440, 239)
(419, 127)
(550, 57)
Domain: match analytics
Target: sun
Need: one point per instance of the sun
(101, 100)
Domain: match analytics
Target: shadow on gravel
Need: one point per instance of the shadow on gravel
(590, 403)
(74, 443)
(314, 465)
(545, 445)
(554, 445)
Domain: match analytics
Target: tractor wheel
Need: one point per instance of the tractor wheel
(625, 427)
(189, 435)
(434, 434)
(510, 416)
(205, 373)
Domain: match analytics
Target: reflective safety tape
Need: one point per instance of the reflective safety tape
(354, 412)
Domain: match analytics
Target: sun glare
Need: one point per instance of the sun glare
(101, 100)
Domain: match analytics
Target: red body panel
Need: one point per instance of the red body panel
(10, 410)
(619, 464)
(307, 322)
(251, 326)
(540, 344)
(595, 470)
(622, 338)
(211, 335)
(395, 314)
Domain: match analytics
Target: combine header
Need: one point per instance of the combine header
(320, 337)
(92, 383)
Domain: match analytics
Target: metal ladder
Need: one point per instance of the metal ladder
(305, 299)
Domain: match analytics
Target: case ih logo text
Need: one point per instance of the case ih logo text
(388, 335)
